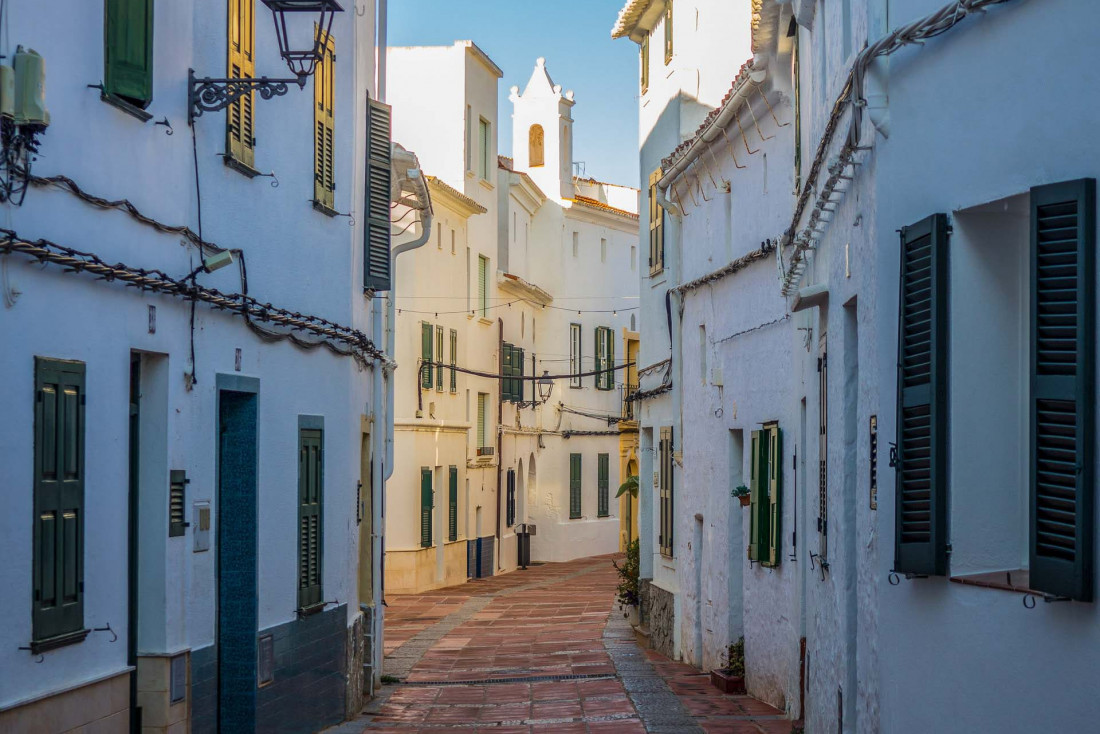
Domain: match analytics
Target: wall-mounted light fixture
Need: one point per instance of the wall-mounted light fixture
(208, 94)
(546, 386)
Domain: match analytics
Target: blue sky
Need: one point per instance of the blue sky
(575, 38)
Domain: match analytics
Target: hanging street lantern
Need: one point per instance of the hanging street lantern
(301, 55)
(545, 385)
(301, 45)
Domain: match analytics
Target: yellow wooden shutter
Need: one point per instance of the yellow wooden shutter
(324, 99)
(240, 124)
(656, 227)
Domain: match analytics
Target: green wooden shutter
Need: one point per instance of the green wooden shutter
(425, 507)
(128, 50)
(574, 486)
(310, 531)
(1063, 344)
(506, 372)
(439, 357)
(602, 488)
(452, 504)
(510, 503)
(454, 360)
(921, 490)
(757, 468)
(58, 499)
(519, 358)
(599, 357)
(376, 259)
(775, 497)
(426, 356)
(177, 501)
(609, 358)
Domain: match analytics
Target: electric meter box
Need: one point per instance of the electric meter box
(30, 88)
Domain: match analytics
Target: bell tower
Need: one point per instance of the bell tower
(542, 133)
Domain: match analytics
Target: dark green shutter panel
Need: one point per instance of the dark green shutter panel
(177, 500)
(425, 507)
(128, 50)
(454, 360)
(609, 379)
(756, 496)
(1063, 245)
(510, 504)
(376, 258)
(921, 490)
(426, 356)
(519, 358)
(775, 497)
(574, 486)
(602, 488)
(309, 517)
(58, 498)
(599, 357)
(452, 504)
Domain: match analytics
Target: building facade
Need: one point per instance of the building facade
(879, 537)
(526, 290)
(182, 447)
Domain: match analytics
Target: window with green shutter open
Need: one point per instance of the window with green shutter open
(426, 357)
(454, 361)
(58, 604)
(310, 517)
(128, 51)
(574, 486)
(425, 507)
(766, 496)
(603, 488)
(452, 503)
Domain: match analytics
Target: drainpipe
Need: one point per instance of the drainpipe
(380, 48)
(500, 432)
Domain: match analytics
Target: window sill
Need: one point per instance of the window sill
(485, 322)
(578, 517)
(1016, 581)
(240, 166)
(52, 643)
(311, 610)
(130, 109)
(486, 184)
(324, 209)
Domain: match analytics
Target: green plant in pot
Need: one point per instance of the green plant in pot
(731, 678)
(742, 494)
(627, 590)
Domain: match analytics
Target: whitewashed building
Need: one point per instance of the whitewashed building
(181, 448)
(925, 356)
(514, 281)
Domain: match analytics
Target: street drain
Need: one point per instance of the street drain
(526, 679)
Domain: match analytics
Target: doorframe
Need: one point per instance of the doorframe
(240, 384)
(133, 518)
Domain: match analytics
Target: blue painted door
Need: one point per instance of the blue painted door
(237, 616)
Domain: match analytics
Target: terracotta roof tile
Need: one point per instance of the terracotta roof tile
(585, 201)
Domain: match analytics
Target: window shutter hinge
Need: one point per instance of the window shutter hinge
(893, 455)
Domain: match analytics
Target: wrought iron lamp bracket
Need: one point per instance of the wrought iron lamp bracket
(207, 94)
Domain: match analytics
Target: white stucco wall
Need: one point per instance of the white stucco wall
(297, 258)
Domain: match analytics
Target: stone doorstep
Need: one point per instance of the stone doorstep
(642, 637)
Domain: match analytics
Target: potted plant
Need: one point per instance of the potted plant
(742, 493)
(731, 678)
(627, 591)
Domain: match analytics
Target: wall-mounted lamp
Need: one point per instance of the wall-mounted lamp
(545, 385)
(210, 95)
(216, 261)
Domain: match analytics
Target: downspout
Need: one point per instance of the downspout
(381, 47)
(500, 431)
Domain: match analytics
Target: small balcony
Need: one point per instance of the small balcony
(627, 393)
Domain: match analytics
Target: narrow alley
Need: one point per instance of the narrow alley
(543, 650)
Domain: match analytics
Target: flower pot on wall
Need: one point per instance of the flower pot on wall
(745, 500)
(726, 682)
(632, 615)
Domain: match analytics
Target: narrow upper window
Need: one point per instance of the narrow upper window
(603, 250)
(656, 227)
(576, 243)
(645, 64)
(535, 146)
(240, 124)
(486, 138)
(574, 354)
(128, 51)
(324, 116)
(483, 285)
(310, 517)
(469, 139)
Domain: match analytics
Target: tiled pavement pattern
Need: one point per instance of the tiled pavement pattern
(462, 648)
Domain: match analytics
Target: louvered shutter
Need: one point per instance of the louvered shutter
(452, 504)
(599, 352)
(609, 359)
(482, 409)
(58, 498)
(666, 489)
(128, 50)
(454, 360)
(483, 286)
(425, 507)
(310, 535)
(324, 126)
(426, 356)
(1063, 244)
(823, 450)
(439, 358)
(240, 122)
(602, 488)
(519, 359)
(506, 371)
(376, 259)
(921, 489)
(775, 497)
(756, 498)
(574, 486)
(510, 509)
(177, 501)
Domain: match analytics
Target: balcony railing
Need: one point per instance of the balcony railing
(627, 393)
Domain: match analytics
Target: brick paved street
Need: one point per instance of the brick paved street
(540, 651)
